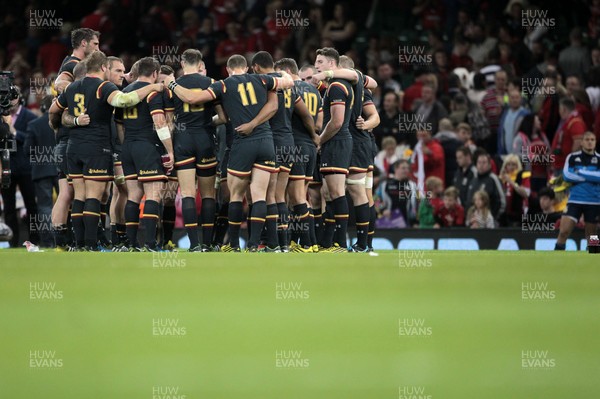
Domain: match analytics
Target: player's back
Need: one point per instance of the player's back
(339, 92)
(359, 95)
(194, 118)
(137, 120)
(89, 95)
(312, 99)
(243, 96)
(68, 65)
(281, 122)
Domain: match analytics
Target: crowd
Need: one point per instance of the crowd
(473, 132)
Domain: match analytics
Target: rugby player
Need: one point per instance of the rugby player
(84, 41)
(248, 105)
(89, 155)
(582, 170)
(307, 141)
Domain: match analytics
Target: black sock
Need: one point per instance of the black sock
(188, 211)
(209, 208)
(319, 225)
(302, 223)
(104, 209)
(132, 222)
(61, 235)
(236, 214)
(78, 225)
(114, 236)
(282, 227)
(311, 228)
(121, 233)
(221, 224)
(271, 225)
(91, 218)
(168, 222)
(329, 225)
(341, 211)
(257, 220)
(248, 224)
(293, 230)
(150, 220)
(362, 224)
(372, 220)
(560, 247)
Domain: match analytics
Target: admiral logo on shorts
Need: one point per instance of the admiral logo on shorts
(148, 172)
(90, 171)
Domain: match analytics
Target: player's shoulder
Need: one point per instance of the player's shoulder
(340, 85)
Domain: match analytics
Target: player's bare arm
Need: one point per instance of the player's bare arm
(54, 115)
(221, 117)
(163, 133)
(69, 120)
(372, 121)
(307, 119)
(343, 73)
(266, 113)
(62, 81)
(335, 124)
(119, 99)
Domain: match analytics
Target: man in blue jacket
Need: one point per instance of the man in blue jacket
(40, 145)
(21, 172)
(582, 170)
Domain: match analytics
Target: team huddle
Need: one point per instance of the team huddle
(297, 140)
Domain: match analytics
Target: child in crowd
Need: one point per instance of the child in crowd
(451, 213)
(479, 215)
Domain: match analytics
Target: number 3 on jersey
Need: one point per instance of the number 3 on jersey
(246, 92)
(80, 101)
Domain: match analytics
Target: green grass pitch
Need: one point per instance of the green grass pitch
(401, 325)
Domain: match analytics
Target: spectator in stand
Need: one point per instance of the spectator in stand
(385, 78)
(481, 44)
(451, 213)
(568, 137)
(463, 132)
(583, 107)
(414, 91)
(548, 113)
(487, 181)
(479, 89)
(572, 83)
(460, 54)
(428, 159)
(465, 172)
(517, 188)
(547, 198)
(593, 88)
(99, 20)
(340, 30)
(234, 44)
(51, 55)
(575, 59)
(532, 145)
(389, 118)
(510, 121)
(399, 198)
(479, 215)
(428, 109)
(431, 202)
(258, 38)
(459, 109)
(388, 155)
(431, 13)
(596, 56)
(450, 143)
(206, 42)
(492, 105)
(441, 69)
(190, 24)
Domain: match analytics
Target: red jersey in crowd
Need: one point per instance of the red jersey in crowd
(562, 144)
(450, 217)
